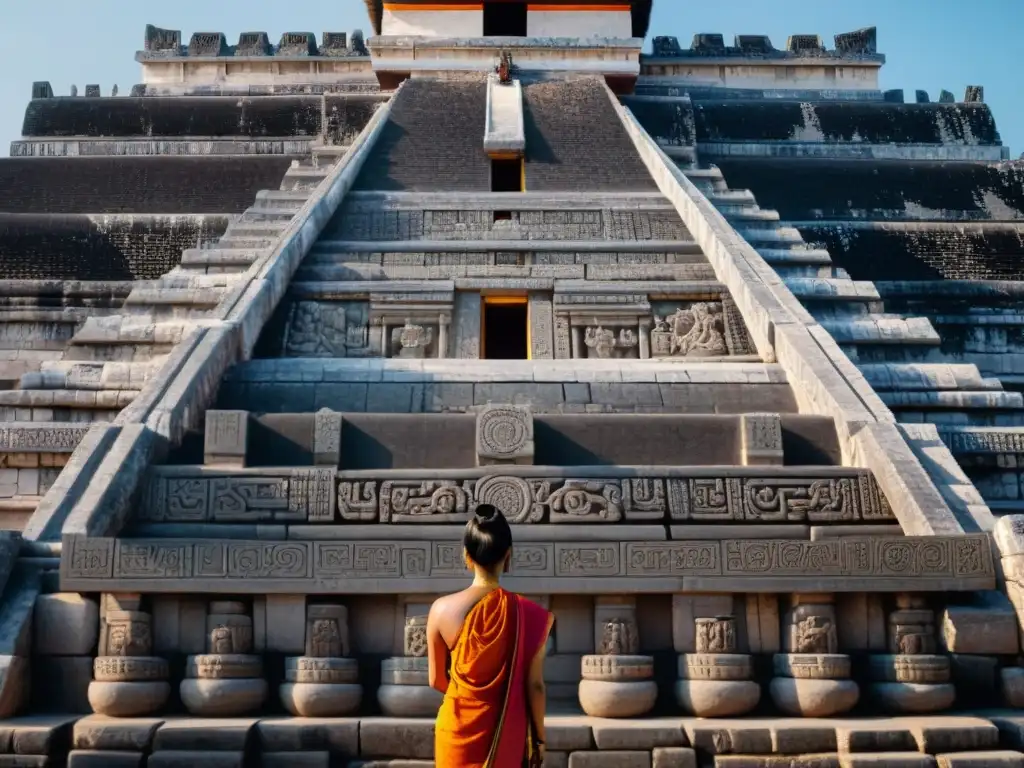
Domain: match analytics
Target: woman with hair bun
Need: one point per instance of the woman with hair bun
(486, 655)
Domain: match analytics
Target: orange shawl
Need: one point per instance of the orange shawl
(484, 720)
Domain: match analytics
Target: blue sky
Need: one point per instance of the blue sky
(930, 44)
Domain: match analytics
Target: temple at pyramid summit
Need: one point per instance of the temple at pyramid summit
(732, 336)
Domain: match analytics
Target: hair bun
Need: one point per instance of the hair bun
(486, 514)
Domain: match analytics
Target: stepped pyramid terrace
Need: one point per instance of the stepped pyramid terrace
(731, 336)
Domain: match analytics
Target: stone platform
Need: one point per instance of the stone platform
(993, 739)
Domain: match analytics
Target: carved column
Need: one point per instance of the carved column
(128, 681)
(812, 677)
(617, 681)
(405, 690)
(228, 679)
(324, 682)
(912, 677)
(716, 681)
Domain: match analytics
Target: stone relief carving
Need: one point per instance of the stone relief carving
(412, 341)
(694, 331)
(328, 329)
(416, 636)
(605, 343)
(811, 629)
(93, 565)
(316, 495)
(504, 433)
(716, 635)
(126, 633)
(912, 628)
(619, 637)
(327, 631)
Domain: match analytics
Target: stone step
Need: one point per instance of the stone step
(298, 178)
(706, 179)
(246, 243)
(123, 329)
(770, 235)
(732, 197)
(752, 218)
(964, 440)
(954, 400)
(219, 257)
(831, 289)
(268, 214)
(63, 374)
(801, 254)
(269, 229)
(883, 330)
(278, 199)
(926, 377)
(112, 401)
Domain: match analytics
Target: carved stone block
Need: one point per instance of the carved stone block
(696, 330)
(126, 633)
(926, 669)
(229, 634)
(504, 435)
(330, 671)
(812, 666)
(416, 636)
(811, 628)
(612, 668)
(615, 626)
(327, 632)
(327, 426)
(716, 635)
(226, 438)
(762, 440)
(716, 666)
(912, 631)
(223, 666)
(129, 669)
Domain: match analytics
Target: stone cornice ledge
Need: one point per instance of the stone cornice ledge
(824, 380)
(98, 488)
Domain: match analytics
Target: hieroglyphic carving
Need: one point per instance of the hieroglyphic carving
(226, 437)
(563, 338)
(838, 499)
(586, 501)
(541, 327)
(327, 426)
(328, 329)
(355, 566)
(716, 635)
(39, 439)
(311, 495)
(437, 501)
(644, 499)
(229, 633)
(762, 439)
(737, 337)
(357, 501)
(504, 433)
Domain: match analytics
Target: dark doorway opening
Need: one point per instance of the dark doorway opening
(505, 19)
(507, 175)
(506, 330)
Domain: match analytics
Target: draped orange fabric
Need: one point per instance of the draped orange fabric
(486, 702)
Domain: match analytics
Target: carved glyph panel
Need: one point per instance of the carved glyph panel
(842, 564)
(328, 329)
(319, 496)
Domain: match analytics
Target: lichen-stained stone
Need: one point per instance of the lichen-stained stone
(66, 624)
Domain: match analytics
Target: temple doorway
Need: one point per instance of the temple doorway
(505, 328)
(505, 19)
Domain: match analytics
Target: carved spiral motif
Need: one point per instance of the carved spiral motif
(502, 432)
(509, 494)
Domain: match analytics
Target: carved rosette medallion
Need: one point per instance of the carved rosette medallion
(504, 434)
(512, 495)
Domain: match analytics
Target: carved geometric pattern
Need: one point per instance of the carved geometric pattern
(840, 564)
(504, 433)
(755, 494)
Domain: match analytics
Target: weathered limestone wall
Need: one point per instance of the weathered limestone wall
(433, 22)
(580, 22)
(112, 247)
